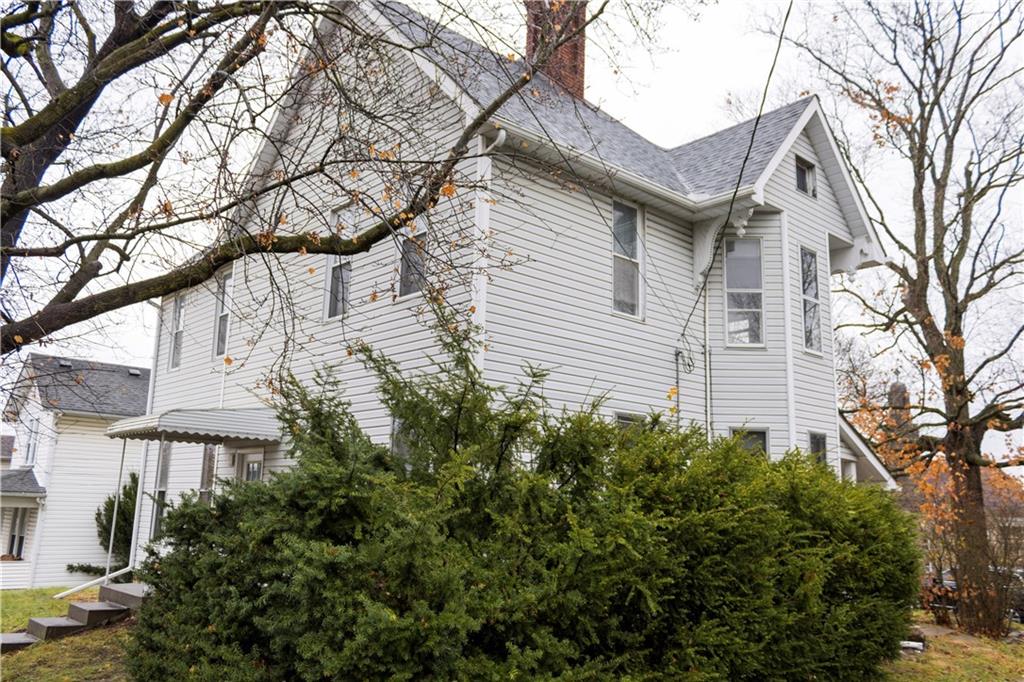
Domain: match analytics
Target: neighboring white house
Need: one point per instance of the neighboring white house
(614, 253)
(63, 466)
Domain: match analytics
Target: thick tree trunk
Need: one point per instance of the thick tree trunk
(979, 607)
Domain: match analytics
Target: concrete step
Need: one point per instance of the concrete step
(52, 628)
(94, 613)
(13, 641)
(126, 594)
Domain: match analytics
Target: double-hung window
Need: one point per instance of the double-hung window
(336, 289)
(626, 273)
(413, 268)
(744, 292)
(16, 537)
(753, 440)
(223, 313)
(811, 299)
(208, 473)
(160, 497)
(177, 329)
(818, 443)
(806, 177)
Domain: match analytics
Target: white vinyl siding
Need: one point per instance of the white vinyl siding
(627, 270)
(744, 292)
(811, 300)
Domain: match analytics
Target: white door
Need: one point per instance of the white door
(250, 464)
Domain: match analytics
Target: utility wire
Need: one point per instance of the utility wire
(739, 180)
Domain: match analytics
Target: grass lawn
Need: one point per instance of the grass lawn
(94, 656)
(17, 606)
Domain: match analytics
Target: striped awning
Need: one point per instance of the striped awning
(256, 424)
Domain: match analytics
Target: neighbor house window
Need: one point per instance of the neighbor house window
(177, 329)
(754, 440)
(818, 443)
(849, 470)
(160, 495)
(208, 473)
(625, 420)
(413, 269)
(744, 292)
(805, 177)
(339, 275)
(32, 441)
(625, 259)
(812, 304)
(16, 538)
(223, 313)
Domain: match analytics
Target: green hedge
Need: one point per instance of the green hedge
(510, 542)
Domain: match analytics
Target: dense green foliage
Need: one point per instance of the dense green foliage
(504, 541)
(122, 531)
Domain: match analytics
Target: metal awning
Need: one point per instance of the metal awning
(257, 424)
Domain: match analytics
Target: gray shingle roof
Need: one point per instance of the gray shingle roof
(705, 166)
(88, 386)
(20, 482)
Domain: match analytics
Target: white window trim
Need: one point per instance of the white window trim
(725, 297)
(404, 234)
(242, 455)
(641, 261)
(331, 262)
(178, 299)
(766, 430)
(820, 352)
(811, 170)
(222, 309)
(623, 418)
(32, 440)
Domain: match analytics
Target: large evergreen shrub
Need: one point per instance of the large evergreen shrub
(507, 542)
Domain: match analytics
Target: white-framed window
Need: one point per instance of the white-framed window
(811, 299)
(744, 292)
(806, 177)
(251, 465)
(208, 473)
(177, 330)
(17, 530)
(337, 284)
(755, 440)
(626, 420)
(817, 443)
(223, 314)
(627, 266)
(849, 470)
(163, 469)
(31, 441)
(412, 275)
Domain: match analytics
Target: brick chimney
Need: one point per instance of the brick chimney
(546, 19)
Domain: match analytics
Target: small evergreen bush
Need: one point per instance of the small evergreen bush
(504, 541)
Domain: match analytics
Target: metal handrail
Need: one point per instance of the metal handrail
(96, 581)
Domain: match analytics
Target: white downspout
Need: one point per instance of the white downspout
(137, 521)
(787, 329)
(708, 423)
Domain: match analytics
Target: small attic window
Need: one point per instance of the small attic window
(64, 363)
(134, 372)
(806, 181)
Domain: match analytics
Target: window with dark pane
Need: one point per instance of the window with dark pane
(818, 445)
(162, 472)
(223, 313)
(805, 177)
(754, 440)
(339, 277)
(177, 329)
(208, 473)
(413, 270)
(744, 292)
(811, 300)
(625, 259)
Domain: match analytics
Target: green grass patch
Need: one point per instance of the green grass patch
(17, 606)
(89, 657)
(961, 658)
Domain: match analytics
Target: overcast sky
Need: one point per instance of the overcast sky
(676, 93)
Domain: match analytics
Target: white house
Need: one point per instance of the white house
(63, 466)
(635, 279)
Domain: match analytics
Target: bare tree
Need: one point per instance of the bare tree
(129, 131)
(941, 85)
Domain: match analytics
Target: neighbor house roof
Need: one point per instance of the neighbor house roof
(20, 482)
(82, 386)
